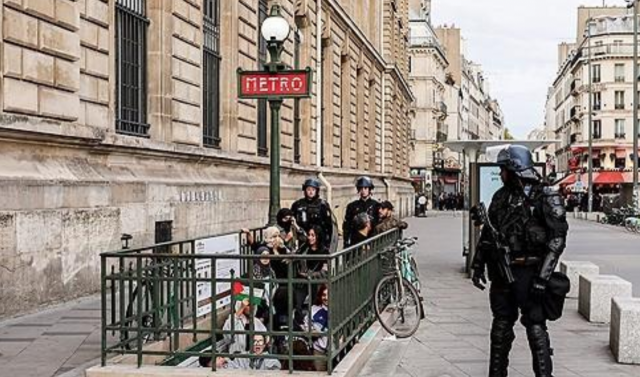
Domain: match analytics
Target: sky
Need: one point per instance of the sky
(516, 43)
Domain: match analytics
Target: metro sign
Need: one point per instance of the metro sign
(286, 84)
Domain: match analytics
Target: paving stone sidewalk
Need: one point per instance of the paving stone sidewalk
(55, 342)
(454, 338)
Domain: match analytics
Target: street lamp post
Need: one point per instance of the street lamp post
(589, 120)
(275, 30)
(634, 4)
(276, 82)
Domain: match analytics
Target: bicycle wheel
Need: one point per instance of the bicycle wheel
(398, 314)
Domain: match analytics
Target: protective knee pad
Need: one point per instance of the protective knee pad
(502, 331)
(538, 337)
(502, 337)
(540, 350)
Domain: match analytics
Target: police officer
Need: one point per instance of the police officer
(530, 220)
(364, 204)
(313, 211)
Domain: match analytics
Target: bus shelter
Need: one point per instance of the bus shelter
(480, 180)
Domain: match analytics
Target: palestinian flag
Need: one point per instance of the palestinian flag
(241, 293)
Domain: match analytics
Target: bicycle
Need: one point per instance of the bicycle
(397, 300)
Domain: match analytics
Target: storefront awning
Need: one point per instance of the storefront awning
(621, 153)
(608, 178)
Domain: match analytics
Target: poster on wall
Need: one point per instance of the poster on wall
(223, 245)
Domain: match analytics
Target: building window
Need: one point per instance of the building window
(163, 234)
(619, 95)
(620, 134)
(597, 164)
(410, 64)
(597, 101)
(296, 102)
(619, 73)
(621, 163)
(597, 129)
(595, 72)
(131, 67)
(211, 74)
(263, 8)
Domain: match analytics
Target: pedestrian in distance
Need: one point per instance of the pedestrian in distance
(364, 204)
(520, 244)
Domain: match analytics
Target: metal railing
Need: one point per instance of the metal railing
(161, 306)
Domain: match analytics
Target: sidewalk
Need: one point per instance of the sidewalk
(454, 338)
(52, 343)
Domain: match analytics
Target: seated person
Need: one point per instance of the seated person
(242, 317)
(259, 348)
(362, 224)
(319, 323)
(388, 220)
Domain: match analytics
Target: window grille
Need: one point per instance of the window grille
(131, 67)
(211, 74)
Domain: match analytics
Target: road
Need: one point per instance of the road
(454, 338)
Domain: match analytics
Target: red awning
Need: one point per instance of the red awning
(608, 178)
(621, 153)
(568, 180)
(450, 180)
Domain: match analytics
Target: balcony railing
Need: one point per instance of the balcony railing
(614, 49)
(621, 136)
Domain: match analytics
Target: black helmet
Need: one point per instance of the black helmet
(518, 159)
(364, 181)
(311, 182)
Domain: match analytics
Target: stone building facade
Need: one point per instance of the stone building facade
(122, 116)
(608, 52)
(452, 103)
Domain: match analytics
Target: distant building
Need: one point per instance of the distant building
(607, 47)
(452, 102)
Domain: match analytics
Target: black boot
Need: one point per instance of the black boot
(502, 337)
(540, 350)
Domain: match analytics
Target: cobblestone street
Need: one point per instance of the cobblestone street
(454, 338)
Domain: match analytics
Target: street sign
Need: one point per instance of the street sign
(270, 85)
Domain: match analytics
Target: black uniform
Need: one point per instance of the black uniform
(369, 206)
(314, 212)
(534, 227)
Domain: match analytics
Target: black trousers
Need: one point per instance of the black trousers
(508, 303)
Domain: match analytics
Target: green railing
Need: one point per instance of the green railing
(154, 301)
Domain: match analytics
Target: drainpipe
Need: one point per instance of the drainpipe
(387, 185)
(319, 86)
(326, 183)
(384, 113)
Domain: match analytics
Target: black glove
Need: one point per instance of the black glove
(478, 278)
(538, 288)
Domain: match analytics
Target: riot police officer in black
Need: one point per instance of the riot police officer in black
(313, 211)
(530, 218)
(364, 204)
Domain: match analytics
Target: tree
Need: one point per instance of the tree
(507, 135)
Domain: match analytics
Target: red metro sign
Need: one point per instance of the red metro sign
(261, 84)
